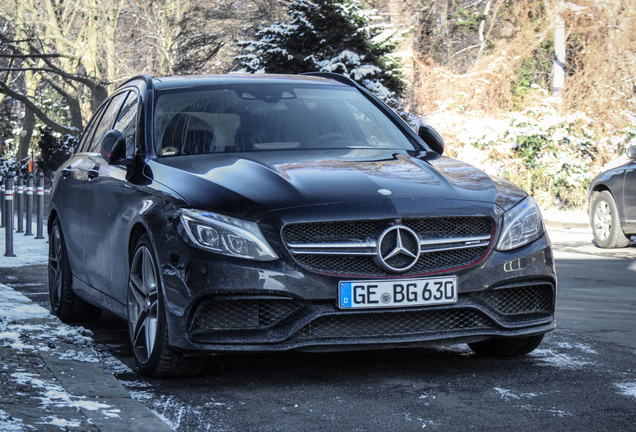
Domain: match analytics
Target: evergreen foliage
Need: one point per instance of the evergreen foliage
(54, 149)
(329, 36)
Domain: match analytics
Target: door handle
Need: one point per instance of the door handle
(93, 172)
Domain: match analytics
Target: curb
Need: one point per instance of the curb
(555, 224)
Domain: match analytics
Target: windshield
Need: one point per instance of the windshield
(272, 116)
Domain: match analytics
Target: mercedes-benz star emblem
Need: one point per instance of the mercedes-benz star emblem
(398, 249)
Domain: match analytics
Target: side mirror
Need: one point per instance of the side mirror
(113, 147)
(432, 138)
(631, 152)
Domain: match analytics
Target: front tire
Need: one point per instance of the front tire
(606, 224)
(506, 347)
(65, 304)
(147, 320)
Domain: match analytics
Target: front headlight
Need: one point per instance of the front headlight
(521, 225)
(226, 235)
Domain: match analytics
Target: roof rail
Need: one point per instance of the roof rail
(145, 77)
(334, 76)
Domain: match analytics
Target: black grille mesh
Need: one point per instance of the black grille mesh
(393, 324)
(449, 228)
(255, 314)
(332, 232)
(364, 231)
(242, 314)
(519, 300)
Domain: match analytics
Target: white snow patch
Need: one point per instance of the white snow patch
(11, 424)
(561, 360)
(627, 389)
(506, 394)
(52, 394)
(28, 250)
(509, 395)
(140, 395)
(579, 346)
(14, 306)
(78, 356)
(63, 423)
(114, 365)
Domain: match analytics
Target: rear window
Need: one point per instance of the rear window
(266, 117)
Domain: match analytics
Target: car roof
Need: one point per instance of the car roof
(198, 80)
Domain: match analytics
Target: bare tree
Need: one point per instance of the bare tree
(67, 46)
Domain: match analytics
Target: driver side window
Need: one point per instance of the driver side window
(106, 122)
(126, 121)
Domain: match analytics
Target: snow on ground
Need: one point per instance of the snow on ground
(627, 389)
(28, 249)
(10, 424)
(28, 327)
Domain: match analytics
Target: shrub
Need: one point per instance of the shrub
(54, 150)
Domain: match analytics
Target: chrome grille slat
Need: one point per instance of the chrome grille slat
(364, 249)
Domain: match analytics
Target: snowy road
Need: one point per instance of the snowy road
(583, 377)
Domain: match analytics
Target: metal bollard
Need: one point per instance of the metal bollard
(40, 206)
(3, 212)
(19, 202)
(29, 205)
(8, 210)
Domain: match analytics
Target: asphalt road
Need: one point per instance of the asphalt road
(583, 376)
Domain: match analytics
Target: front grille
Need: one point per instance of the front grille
(521, 299)
(349, 247)
(241, 314)
(393, 324)
(350, 231)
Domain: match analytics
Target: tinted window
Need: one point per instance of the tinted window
(270, 117)
(126, 121)
(106, 122)
(89, 132)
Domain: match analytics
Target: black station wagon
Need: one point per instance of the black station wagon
(265, 213)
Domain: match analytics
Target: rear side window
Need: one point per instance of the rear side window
(105, 123)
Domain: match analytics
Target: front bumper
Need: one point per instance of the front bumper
(278, 306)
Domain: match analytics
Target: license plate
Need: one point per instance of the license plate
(397, 293)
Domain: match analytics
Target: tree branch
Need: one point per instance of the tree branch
(26, 56)
(41, 115)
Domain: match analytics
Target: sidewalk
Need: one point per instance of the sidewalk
(567, 219)
(50, 377)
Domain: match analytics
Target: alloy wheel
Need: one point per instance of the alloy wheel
(603, 220)
(55, 268)
(143, 304)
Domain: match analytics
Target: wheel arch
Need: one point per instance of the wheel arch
(594, 192)
(137, 231)
(49, 222)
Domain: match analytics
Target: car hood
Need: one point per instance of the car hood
(251, 184)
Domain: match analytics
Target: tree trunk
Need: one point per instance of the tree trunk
(28, 123)
(559, 58)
